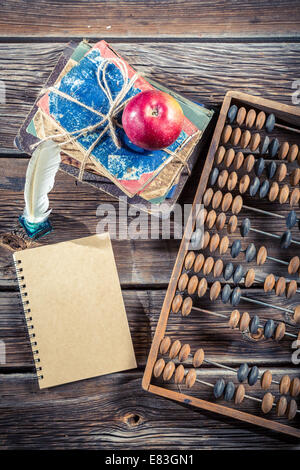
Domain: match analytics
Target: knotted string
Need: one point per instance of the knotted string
(108, 120)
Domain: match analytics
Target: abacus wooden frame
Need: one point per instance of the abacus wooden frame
(290, 115)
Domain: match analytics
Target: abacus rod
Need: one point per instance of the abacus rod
(268, 234)
(259, 302)
(257, 279)
(278, 260)
(213, 363)
(287, 128)
(261, 211)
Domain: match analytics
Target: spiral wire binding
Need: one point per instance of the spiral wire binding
(28, 319)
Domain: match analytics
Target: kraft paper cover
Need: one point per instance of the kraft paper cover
(77, 310)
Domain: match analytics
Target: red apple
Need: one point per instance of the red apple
(152, 120)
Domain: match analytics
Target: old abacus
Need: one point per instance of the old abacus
(251, 168)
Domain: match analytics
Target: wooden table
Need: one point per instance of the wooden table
(202, 49)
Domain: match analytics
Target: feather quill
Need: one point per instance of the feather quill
(40, 177)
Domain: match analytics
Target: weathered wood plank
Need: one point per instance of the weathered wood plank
(204, 72)
(147, 19)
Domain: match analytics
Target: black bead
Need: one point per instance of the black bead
(270, 123)
(228, 271)
(226, 293)
(232, 112)
(250, 253)
(259, 166)
(269, 329)
(286, 239)
(265, 145)
(273, 147)
(263, 190)
(253, 375)
(242, 372)
(238, 274)
(271, 169)
(291, 219)
(219, 388)
(254, 186)
(254, 324)
(236, 248)
(229, 391)
(214, 176)
(236, 296)
(245, 227)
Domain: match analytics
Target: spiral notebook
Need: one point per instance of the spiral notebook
(74, 310)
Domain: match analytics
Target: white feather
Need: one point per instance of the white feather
(40, 176)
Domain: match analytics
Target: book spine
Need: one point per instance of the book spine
(28, 316)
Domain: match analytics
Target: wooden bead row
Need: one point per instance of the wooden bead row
(279, 284)
(236, 137)
(286, 384)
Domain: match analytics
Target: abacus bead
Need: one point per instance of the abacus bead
(216, 200)
(158, 367)
(220, 221)
(283, 151)
(184, 352)
(208, 265)
(244, 183)
(227, 131)
(294, 197)
(267, 402)
(174, 349)
(273, 147)
(237, 205)
(241, 116)
(238, 274)
(236, 296)
(234, 319)
(254, 142)
(183, 281)
(292, 409)
(274, 191)
(232, 224)
(228, 271)
(265, 145)
(232, 112)
(291, 289)
(239, 394)
(271, 169)
(226, 293)
(238, 160)
(205, 240)
(218, 268)
(214, 176)
(293, 152)
(263, 190)
(232, 181)
(236, 248)
(250, 277)
(224, 244)
(280, 286)
(220, 155)
(186, 306)
(291, 219)
(215, 290)
(269, 282)
(285, 239)
(295, 387)
(214, 242)
(266, 380)
(280, 331)
(176, 304)
(199, 263)
(254, 324)
(254, 186)
(269, 329)
(261, 256)
(284, 385)
(260, 120)
(198, 358)
(179, 374)
(295, 176)
(250, 118)
(189, 260)
(165, 345)
(281, 172)
(250, 253)
(244, 322)
(245, 227)
(219, 388)
(270, 123)
(207, 197)
(190, 378)
(226, 202)
(296, 315)
(294, 265)
(202, 287)
(229, 156)
(245, 139)
(249, 163)
(168, 371)
(192, 285)
(281, 406)
(196, 239)
(222, 179)
(253, 376)
(259, 166)
(229, 391)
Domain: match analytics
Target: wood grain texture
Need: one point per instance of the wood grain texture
(179, 18)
